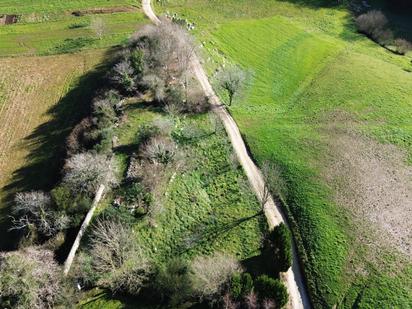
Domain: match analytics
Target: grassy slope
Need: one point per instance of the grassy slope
(207, 207)
(46, 26)
(307, 65)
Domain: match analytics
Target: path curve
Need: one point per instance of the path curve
(293, 278)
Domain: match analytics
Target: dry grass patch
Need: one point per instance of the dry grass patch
(374, 183)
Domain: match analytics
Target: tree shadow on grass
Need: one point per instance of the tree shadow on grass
(205, 234)
(47, 144)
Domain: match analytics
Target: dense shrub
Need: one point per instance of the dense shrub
(172, 281)
(137, 62)
(78, 141)
(196, 101)
(30, 278)
(156, 85)
(166, 48)
(281, 241)
(271, 289)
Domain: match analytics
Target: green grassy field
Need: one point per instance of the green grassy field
(48, 27)
(58, 6)
(315, 82)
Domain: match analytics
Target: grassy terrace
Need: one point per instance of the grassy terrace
(49, 27)
(317, 84)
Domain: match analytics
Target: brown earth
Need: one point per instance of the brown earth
(373, 183)
(103, 11)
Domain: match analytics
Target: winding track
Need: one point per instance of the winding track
(293, 278)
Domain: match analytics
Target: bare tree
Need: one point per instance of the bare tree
(118, 260)
(35, 209)
(99, 27)
(167, 50)
(210, 273)
(274, 182)
(86, 171)
(231, 80)
(29, 278)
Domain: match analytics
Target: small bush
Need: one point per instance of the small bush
(236, 286)
(146, 132)
(159, 150)
(134, 197)
(402, 46)
(123, 76)
(271, 289)
(74, 205)
(373, 24)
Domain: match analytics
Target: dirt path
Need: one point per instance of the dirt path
(293, 277)
(85, 224)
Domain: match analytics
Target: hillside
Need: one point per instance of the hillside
(332, 110)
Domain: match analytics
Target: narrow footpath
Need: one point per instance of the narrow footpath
(293, 278)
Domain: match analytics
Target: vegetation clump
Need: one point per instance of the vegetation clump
(30, 278)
